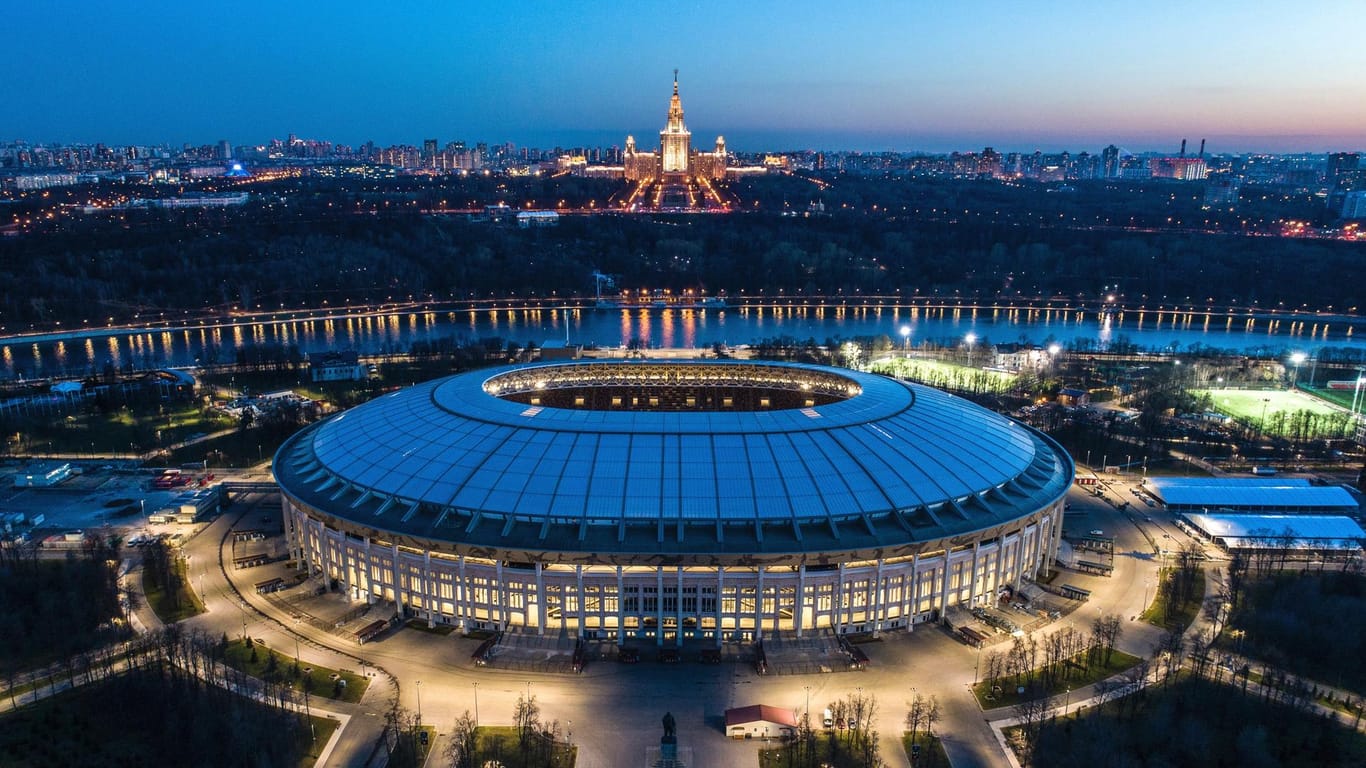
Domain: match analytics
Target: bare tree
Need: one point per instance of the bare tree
(915, 716)
(1031, 713)
(932, 715)
(527, 718)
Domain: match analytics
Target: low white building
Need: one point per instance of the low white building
(336, 366)
(1316, 534)
(760, 721)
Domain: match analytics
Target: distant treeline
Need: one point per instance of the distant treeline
(330, 242)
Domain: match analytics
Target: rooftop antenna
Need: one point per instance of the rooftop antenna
(675, 81)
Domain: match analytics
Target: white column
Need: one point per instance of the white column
(975, 588)
(720, 601)
(431, 596)
(838, 602)
(578, 582)
(914, 592)
(464, 606)
(499, 596)
(324, 556)
(400, 595)
(798, 612)
(678, 611)
(369, 570)
(659, 606)
(879, 599)
(944, 588)
(621, 610)
(541, 601)
(759, 607)
(1017, 567)
(1000, 561)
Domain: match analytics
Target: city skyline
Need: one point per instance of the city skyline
(879, 77)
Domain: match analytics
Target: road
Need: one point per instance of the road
(613, 711)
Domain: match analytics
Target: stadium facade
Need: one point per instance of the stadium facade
(671, 500)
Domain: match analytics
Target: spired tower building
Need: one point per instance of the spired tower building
(675, 141)
(676, 177)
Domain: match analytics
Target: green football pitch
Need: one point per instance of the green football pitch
(1252, 404)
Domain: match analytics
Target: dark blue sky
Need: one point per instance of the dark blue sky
(1269, 75)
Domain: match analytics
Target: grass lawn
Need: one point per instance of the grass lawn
(1339, 397)
(930, 754)
(939, 373)
(160, 601)
(95, 726)
(1184, 614)
(17, 692)
(499, 743)
(310, 745)
(1195, 722)
(1009, 696)
(235, 449)
(1247, 404)
(830, 750)
(144, 428)
(324, 679)
(258, 382)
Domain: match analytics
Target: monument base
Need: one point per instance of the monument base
(663, 757)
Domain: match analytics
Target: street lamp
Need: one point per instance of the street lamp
(419, 702)
(1297, 358)
(906, 338)
(476, 703)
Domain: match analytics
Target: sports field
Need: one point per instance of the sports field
(1248, 404)
(937, 373)
(1342, 397)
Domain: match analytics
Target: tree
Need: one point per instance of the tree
(462, 750)
(915, 716)
(1031, 713)
(526, 717)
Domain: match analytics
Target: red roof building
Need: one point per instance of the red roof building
(759, 721)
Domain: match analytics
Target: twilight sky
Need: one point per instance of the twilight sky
(1274, 75)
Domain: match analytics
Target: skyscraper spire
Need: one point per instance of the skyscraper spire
(675, 142)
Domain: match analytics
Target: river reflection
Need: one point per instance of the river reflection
(1156, 330)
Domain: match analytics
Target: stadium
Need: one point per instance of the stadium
(716, 500)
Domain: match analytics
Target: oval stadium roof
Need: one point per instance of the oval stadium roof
(421, 458)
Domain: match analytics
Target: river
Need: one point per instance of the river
(376, 332)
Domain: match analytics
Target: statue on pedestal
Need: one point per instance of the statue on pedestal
(669, 728)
